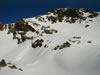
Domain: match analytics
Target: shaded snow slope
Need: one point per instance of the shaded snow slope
(67, 47)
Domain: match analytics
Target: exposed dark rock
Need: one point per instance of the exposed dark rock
(18, 40)
(76, 37)
(87, 26)
(37, 32)
(3, 63)
(23, 38)
(45, 46)
(40, 44)
(9, 65)
(90, 20)
(56, 47)
(73, 13)
(23, 26)
(75, 41)
(41, 40)
(92, 13)
(29, 38)
(89, 41)
(35, 24)
(45, 27)
(13, 67)
(37, 43)
(34, 45)
(52, 19)
(48, 31)
(41, 19)
(14, 35)
(64, 45)
(20, 69)
(2, 26)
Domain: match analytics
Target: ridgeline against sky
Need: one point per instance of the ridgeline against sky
(13, 10)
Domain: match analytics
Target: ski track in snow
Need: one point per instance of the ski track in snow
(23, 53)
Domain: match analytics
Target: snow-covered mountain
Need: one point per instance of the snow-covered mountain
(64, 41)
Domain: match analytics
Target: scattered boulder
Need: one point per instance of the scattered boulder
(20, 69)
(87, 26)
(76, 37)
(13, 67)
(56, 47)
(41, 40)
(48, 31)
(45, 46)
(1, 26)
(90, 20)
(37, 43)
(64, 45)
(3, 63)
(89, 41)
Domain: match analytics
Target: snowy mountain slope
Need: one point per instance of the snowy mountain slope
(62, 41)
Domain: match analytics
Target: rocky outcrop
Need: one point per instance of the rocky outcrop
(69, 15)
(3, 26)
(23, 26)
(37, 43)
(64, 45)
(3, 63)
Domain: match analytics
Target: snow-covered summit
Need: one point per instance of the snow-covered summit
(64, 41)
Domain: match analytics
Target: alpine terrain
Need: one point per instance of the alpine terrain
(64, 41)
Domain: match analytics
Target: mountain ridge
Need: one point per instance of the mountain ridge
(62, 41)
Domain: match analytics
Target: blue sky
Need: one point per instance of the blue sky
(13, 10)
